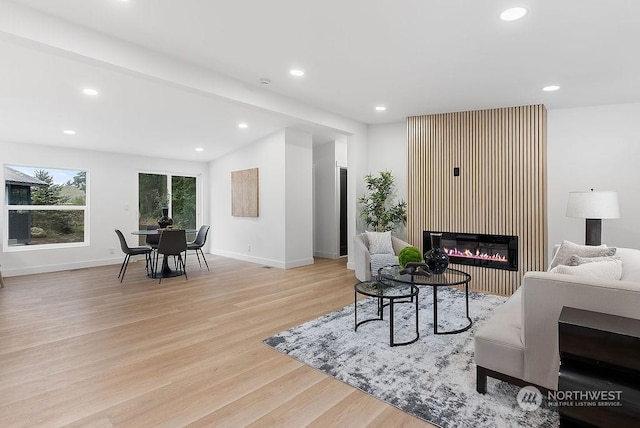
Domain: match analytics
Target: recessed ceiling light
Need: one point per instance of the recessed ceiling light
(381, 108)
(513, 14)
(296, 72)
(551, 88)
(243, 126)
(199, 149)
(89, 91)
(69, 132)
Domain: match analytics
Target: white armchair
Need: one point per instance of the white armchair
(362, 257)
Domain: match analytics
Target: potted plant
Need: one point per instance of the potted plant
(378, 211)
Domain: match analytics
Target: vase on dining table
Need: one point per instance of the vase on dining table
(165, 220)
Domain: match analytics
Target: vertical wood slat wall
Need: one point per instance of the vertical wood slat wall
(501, 189)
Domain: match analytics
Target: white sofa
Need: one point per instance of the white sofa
(519, 343)
(362, 257)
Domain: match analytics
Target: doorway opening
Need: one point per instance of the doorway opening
(343, 212)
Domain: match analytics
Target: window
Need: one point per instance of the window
(174, 192)
(45, 207)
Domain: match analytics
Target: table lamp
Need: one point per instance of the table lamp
(593, 206)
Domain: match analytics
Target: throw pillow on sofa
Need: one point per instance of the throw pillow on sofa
(610, 269)
(577, 260)
(568, 249)
(380, 243)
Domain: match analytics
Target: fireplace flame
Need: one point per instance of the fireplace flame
(454, 252)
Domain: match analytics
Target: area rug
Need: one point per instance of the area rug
(432, 379)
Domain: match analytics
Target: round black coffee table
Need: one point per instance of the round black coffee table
(450, 277)
(390, 291)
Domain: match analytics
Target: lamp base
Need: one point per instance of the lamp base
(593, 234)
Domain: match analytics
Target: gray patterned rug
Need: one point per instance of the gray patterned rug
(432, 379)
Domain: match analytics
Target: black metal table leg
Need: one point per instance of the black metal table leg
(435, 314)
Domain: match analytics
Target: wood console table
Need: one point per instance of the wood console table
(599, 378)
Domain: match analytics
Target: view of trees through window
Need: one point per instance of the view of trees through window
(45, 205)
(176, 193)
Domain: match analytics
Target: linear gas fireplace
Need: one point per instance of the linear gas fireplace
(490, 251)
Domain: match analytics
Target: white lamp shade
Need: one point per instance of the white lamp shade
(596, 205)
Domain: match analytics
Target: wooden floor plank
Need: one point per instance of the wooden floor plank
(78, 348)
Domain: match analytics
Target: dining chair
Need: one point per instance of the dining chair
(199, 242)
(132, 251)
(152, 240)
(173, 242)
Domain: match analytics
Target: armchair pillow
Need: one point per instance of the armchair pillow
(380, 243)
(381, 260)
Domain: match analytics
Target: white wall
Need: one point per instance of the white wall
(325, 209)
(113, 202)
(599, 148)
(258, 239)
(282, 234)
(298, 198)
(387, 150)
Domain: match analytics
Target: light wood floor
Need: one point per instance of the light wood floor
(78, 348)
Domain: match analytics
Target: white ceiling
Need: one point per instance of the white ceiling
(414, 56)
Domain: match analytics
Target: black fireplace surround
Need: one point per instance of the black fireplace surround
(474, 249)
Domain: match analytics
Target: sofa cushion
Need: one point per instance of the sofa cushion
(381, 260)
(630, 264)
(498, 342)
(568, 249)
(380, 242)
(609, 269)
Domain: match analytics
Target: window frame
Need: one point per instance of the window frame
(61, 245)
(169, 175)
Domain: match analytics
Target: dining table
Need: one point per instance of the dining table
(165, 271)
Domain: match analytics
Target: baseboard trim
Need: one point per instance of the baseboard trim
(246, 258)
(31, 270)
(298, 263)
(326, 255)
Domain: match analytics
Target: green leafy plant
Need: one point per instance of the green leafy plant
(378, 210)
(408, 255)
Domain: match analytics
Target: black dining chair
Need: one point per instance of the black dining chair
(172, 243)
(199, 242)
(132, 251)
(152, 240)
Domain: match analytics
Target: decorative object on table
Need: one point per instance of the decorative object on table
(415, 268)
(244, 193)
(409, 254)
(432, 379)
(593, 206)
(378, 211)
(436, 258)
(165, 220)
